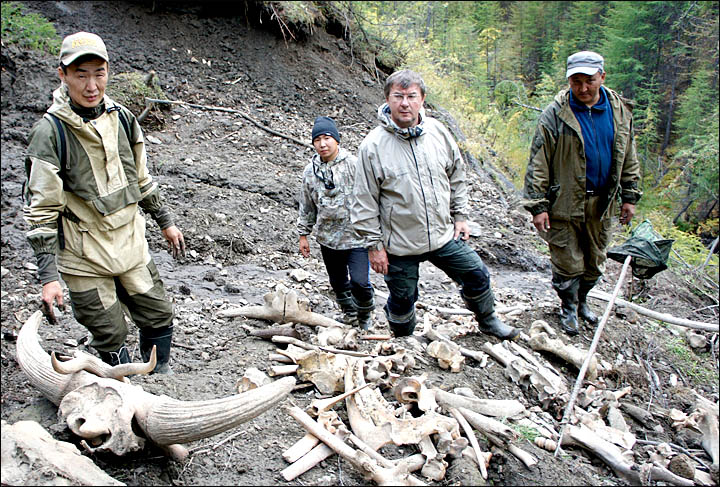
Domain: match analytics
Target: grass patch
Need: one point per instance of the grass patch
(526, 432)
(689, 363)
(28, 30)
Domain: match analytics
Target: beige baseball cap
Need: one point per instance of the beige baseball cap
(81, 44)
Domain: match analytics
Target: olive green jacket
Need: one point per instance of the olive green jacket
(555, 177)
(92, 204)
(410, 187)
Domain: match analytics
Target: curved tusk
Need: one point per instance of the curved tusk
(36, 363)
(92, 364)
(171, 421)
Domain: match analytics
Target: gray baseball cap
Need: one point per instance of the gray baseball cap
(586, 62)
(81, 44)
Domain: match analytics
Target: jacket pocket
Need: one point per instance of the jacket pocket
(552, 193)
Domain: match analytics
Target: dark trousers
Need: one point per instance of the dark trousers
(348, 270)
(457, 259)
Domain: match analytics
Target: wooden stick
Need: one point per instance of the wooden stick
(698, 325)
(591, 352)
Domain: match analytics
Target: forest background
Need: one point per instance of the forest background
(496, 64)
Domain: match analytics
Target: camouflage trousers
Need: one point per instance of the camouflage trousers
(578, 248)
(100, 302)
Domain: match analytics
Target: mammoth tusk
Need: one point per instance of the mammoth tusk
(171, 421)
(89, 363)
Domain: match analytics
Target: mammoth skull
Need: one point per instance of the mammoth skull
(113, 415)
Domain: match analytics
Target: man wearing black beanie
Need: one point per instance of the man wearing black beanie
(327, 184)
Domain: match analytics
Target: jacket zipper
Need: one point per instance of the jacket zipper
(422, 191)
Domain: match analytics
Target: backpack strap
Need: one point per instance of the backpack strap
(62, 144)
(123, 120)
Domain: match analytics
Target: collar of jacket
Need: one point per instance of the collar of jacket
(602, 104)
(342, 155)
(388, 124)
(61, 107)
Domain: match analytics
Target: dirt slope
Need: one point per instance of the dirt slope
(232, 187)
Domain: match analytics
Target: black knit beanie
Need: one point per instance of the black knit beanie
(325, 126)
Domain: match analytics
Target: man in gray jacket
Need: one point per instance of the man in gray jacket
(410, 205)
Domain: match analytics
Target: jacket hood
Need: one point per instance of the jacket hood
(388, 124)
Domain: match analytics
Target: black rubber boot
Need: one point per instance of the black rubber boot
(483, 306)
(584, 310)
(401, 327)
(347, 306)
(162, 338)
(364, 313)
(121, 356)
(567, 290)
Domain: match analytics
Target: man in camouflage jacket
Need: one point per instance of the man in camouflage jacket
(86, 178)
(327, 185)
(582, 160)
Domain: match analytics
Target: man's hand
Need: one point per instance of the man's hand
(462, 229)
(51, 293)
(304, 246)
(378, 261)
(626, 213)
(175, 238)
(542, 222)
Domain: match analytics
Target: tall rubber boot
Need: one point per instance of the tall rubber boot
(584, 310)
(483, 306)
(121, 356)
(347, 306)
(162, 339)
(364, 313)
(401, 326)
(567, 290)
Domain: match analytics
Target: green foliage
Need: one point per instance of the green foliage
(130, 90)
(690, 363)
(28, 31)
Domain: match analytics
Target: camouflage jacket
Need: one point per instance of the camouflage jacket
(325, 201)
(94, 199)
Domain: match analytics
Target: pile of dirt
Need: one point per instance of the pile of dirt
(232, 186)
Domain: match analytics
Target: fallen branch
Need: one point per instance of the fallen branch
(698, 325)
(231, 110)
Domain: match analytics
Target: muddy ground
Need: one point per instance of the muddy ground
(232, 187)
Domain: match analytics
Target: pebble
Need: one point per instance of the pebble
(4, 272)
(30, 266)
(153, 139)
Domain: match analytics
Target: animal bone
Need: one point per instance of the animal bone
(282, 306)
(583, 437)
(92, 364)
(278, 370)
(329, 420)
(448, 355)
(539, 340)
(479, 454)
(489, 407)
(488, 425)
(318, 406)
(399, 475)
(252, 379)
(338, 337)
(433, 334)
(545, 443)
(325, 370)
(310, 459)
(268, 333)
(412, 390)
(278, 357)
(31, 456)
(105, 411)
(434, 467)
(307, 346)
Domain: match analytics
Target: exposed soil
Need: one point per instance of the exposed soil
(232, 187)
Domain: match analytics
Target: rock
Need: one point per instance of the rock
(153, 139)
(695, 340)
(30, 266)
(300, 275)
(682, 465)
(3, 272)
